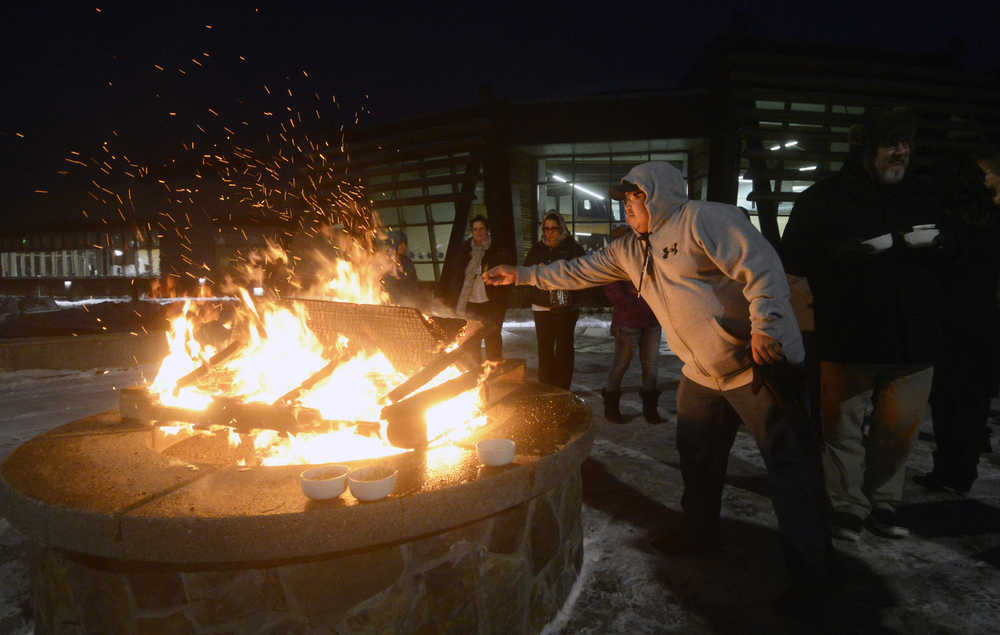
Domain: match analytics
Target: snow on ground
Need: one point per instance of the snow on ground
(72, 304)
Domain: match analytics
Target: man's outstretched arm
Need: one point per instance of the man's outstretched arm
(592, 270)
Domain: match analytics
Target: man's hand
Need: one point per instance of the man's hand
(500, 275)
(765, 349)
(787, 384)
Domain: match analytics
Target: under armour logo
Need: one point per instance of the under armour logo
(670, 251)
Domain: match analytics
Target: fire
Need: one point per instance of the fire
(353, 391)
(272, 354)
(351, 285)
(186, 354)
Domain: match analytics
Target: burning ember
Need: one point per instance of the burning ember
(324, 403)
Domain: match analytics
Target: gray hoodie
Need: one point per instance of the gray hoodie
(711, 278)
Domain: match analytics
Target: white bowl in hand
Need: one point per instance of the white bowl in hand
(372, 483)
(324, 482)
(921, 237)
(495, 452)
(879, 243)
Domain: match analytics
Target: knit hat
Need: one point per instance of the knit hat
(887, 126)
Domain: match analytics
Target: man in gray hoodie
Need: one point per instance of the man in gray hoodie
(718, 289)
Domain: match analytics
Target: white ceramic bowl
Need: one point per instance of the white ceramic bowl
(879, 243)
(921, 237)
(495, 452)
(372, 483)
(324, 482)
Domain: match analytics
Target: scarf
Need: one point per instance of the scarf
(472, 273)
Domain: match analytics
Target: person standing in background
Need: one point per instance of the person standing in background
(400, 282)
(866, 240)
(965, 370)
(554, 311)
(633, 326)
(464, 290)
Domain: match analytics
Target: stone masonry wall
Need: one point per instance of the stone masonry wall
(508, 573)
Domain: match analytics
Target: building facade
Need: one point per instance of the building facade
(754, 124)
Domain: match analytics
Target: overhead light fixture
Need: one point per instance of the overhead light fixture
(799, 188)
(791, 144)
(582, 233)
(579, 187)
(118, 252)
(807, 168)
(777, 147)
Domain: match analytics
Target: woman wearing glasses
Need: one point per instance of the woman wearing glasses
(555, 312)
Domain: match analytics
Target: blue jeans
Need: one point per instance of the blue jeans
(627, 339)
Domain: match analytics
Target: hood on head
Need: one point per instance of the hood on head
(664, 186)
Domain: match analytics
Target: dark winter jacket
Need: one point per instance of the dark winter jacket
(542, 254)
(971, 226)
(402, 283)
(450, 286)
(870, 307)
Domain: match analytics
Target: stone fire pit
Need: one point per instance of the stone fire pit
(138, 534)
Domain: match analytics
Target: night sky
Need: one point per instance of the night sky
(78, 77)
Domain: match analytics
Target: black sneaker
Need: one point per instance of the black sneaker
(884, 523)
(846, 526)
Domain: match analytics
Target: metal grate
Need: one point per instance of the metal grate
(403, 334)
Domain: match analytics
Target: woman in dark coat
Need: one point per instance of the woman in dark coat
(463, 288)
(555, 311)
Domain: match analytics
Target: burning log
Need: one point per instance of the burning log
(504, 378)
(311, 381)
(244, 416)
(436, 365)
(137, 404)
(214, 361)
(407, 426)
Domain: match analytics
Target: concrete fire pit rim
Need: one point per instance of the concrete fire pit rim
(128, 534)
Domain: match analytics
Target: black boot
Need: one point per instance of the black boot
(611, 411)
(649, 411)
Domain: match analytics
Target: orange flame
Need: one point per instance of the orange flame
(280, 353)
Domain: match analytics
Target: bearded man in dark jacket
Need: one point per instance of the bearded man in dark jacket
(866, 240)
(555, 311)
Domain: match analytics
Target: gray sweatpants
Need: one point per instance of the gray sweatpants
(864, 466)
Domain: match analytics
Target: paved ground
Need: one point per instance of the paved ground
(944, 579)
